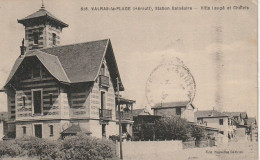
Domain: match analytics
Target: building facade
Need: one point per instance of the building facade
(51, 87)
(182, 109)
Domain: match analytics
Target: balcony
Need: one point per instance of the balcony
(105, 114)
(103, 81)
(125, 116)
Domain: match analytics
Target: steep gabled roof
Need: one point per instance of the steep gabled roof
(209, 114)
(251, 120)
(171, 104)
(75, 63)
(41, 13)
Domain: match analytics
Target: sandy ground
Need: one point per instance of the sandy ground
(230, 151)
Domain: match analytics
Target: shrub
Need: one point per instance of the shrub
(10, 148)
(86, 147)
(171, 128)
(74, 147)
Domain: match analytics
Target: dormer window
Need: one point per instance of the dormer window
(53, 38)
(35, 38)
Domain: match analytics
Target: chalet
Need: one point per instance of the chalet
(215, 119)
(183, 109)
(54, 89)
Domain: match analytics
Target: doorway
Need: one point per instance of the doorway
(38, 130)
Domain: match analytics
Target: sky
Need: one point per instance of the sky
(218, 47)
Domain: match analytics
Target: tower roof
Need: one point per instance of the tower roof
(42, 14)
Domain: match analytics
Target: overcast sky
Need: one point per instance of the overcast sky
(219, 47)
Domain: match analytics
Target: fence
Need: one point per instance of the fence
(134, 148)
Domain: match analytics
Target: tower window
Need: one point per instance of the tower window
(53, 38)
(35, 38)
(102, 70)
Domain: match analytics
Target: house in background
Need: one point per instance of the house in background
(215, 119)
(240, 118)
(183, 109)
(253, 128)
(50, 87)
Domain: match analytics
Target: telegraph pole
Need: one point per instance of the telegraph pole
(119, 119)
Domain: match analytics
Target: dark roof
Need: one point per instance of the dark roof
(143, 111)
(40, 14)
(209, 114)
(171, 104)
(75, 63)
(73, 129)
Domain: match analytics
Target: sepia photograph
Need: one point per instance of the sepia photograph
(132, 80)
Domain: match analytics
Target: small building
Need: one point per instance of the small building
(183, 109)
(253, 128)
(215, 119)
(143, 127)
(51, 86)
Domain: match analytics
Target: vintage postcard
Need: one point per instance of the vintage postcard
(133, 80)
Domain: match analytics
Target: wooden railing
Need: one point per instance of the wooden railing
(125, 116)
(105, 113)
(103, 80)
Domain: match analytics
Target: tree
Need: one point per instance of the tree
(171, 128)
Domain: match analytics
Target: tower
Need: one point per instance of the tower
(42, 29)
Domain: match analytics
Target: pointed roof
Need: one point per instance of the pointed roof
(73, 129)
(42, 13)
(75, 63)
(209, 114)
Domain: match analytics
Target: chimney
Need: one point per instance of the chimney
(23, 48)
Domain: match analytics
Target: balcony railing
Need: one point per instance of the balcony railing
(103, 81)
(105, 113)
(125, 116)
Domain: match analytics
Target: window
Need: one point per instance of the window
(178, 111)
(24, 101)
(53, 38)
(220, 121)
(35, 38)
(37, 101)
(103, 100)
(51, 99)
(102, 70)
(24, 130)
(51, 130)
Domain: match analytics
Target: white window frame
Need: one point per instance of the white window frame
(33, 130)
(40, 89)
